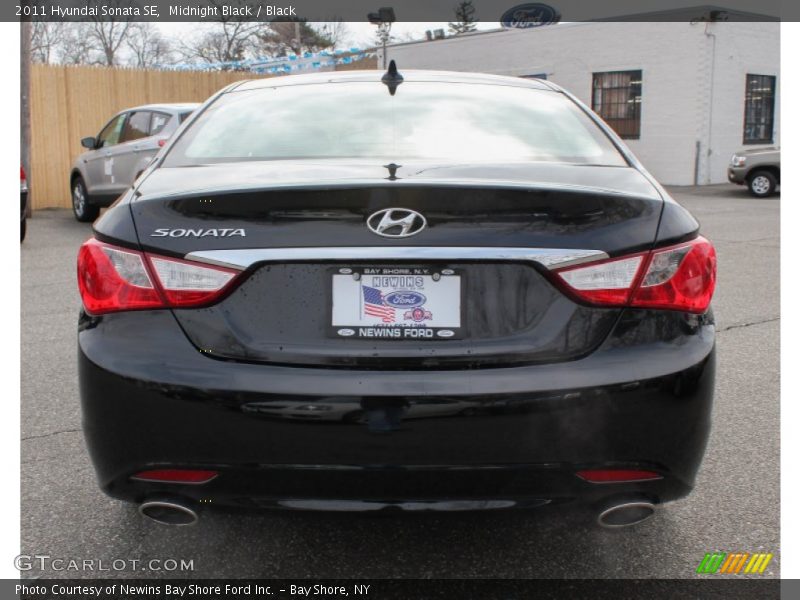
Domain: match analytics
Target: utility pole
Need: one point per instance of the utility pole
(383, 19)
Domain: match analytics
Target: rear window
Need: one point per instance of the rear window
(423, 120)
(136, 127)
(158, 122)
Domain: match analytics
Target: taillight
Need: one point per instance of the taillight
(189, 284)
(680, 277)
(617, 475)
(23, 180)
(113, 279)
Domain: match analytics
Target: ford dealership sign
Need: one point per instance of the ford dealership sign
(525, 16)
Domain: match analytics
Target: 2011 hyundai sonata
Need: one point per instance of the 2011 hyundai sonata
(425, 291)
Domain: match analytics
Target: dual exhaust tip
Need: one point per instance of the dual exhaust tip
(169, 511)
(624, 513)
(179, 512)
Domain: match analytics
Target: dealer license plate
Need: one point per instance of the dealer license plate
(396, 303)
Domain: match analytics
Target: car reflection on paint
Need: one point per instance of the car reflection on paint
(352, 411)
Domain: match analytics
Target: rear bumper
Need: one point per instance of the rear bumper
(150, 399)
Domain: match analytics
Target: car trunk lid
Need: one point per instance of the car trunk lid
(491, 240)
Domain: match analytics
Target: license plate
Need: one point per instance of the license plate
(396, 303)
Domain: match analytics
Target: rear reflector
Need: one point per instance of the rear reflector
(113, 279)
(176, 475)
(617, 475)
(680, 277)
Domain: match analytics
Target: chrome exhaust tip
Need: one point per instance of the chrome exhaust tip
(624, 514)
(169, 511)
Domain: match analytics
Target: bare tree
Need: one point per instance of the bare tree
(226, 40)
(148, 48)
(46, 38)
(295, 36)
(107, 38)
(336, 30)
(465, 18)
(75, 46)
(223, 44)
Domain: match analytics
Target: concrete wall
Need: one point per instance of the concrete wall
(675, 59)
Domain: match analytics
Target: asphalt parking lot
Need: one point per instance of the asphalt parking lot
(735, 506)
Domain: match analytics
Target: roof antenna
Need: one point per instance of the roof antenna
(392, 78)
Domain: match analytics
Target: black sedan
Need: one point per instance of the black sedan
(416, 291)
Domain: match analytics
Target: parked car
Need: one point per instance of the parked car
(278, 249)
(119, 154)
(758, 168)
(23, 200)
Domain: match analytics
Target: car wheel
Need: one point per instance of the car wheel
(762, 184)
(23, 227)
(84, 212)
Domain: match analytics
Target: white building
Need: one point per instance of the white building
(685, 96)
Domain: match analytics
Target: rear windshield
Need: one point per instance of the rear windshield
(423, 120)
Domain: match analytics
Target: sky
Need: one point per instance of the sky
(360, 34)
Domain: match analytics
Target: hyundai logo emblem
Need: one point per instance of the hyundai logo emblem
(396, 222)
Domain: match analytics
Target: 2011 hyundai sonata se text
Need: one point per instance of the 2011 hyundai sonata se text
(406, 290)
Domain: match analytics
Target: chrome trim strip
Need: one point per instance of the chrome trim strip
(550, 258)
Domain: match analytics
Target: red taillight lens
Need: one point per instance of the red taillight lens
(617, 475)
(176, 475)
(22, 178)
(114, 279)
(680, 277)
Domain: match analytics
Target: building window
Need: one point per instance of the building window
(759, 109)
(617, 98)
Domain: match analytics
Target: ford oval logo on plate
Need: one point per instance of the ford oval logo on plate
(525, 16)
(346, 332)
(445, 333)
(405, 299)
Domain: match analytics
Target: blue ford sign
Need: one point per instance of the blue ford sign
(405, 299)
(524, 16)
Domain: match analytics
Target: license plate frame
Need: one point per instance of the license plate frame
(406, 327)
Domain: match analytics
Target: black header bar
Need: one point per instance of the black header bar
(511, 13)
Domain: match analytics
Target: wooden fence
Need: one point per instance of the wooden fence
(71, 102)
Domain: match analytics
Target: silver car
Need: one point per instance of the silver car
(119, 154)
(758, 168)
